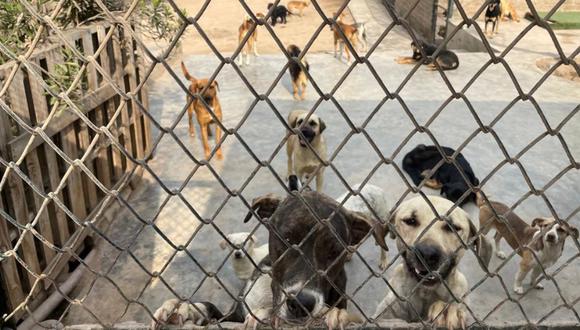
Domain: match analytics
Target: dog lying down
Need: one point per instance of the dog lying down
(307, 285)
(244, 247)
(446, 59)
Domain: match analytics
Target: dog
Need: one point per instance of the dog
(361, 35)
(297, 74)
(303, 161)
(446, 59)
(280, 12)
(544, 238)
(297, 7)
(378, 203)
(508, 11)
(251, 45)
(245, 252)
(492, 14)
(350, 32)
(419, 162)
(431, 250)
(201, 112)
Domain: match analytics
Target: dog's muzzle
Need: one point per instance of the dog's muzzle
(307, 135)
(238, 254)
(427, 263)
(300, 306)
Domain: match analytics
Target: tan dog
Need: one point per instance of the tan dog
(431, 249)
(350, 32)
(204, 118)
(302, 161)
(297, 7)
(298, 72)
(508, 10)
(544, 238)
(251, 45)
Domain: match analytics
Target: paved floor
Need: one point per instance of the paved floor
(197, 269)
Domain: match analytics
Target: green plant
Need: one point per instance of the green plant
(62, 78)
(17, 26)
(158, 20)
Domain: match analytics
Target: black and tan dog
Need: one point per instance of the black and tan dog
(297, 73)
(204, 118)
(446, 59)
(350, 31)
(307, 283)
(492, 15)
(280, 12)
(419, 161)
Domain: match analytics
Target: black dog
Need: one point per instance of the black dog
(446, 59)
(279, 12)
(447, 177)
(492, 16)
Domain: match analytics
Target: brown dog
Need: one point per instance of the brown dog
(251, 45)
(297, 7)
(544, 239)
(508, 10)
(350, 32)
(204, 118)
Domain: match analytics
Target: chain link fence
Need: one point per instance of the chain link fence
(108, 209)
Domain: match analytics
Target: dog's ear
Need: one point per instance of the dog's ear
(264, 206)
(293, 117)
(361, 224)
(537, 222)
(215, 84)
(253, 239)
(322, 125)
(571, 230)
(482, 244)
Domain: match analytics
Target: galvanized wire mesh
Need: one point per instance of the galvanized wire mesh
(122, 21)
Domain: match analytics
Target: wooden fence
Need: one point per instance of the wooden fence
(20, 204)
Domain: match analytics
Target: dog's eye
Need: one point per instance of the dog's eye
(411, 222)
(312, 123)
(560, 230)
(299, 122)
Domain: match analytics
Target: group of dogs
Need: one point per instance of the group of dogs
(497, 11)
(299, 276)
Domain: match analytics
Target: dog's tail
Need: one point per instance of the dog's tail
(186, 73)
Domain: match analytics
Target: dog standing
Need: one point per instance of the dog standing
(350, 32)
(297, 7)
(430, 256)
(302, 161)
(446, 59)
(251, 45)
(544, 238)
(508, 11)
(240, 242)
(492, 14)
(204, 118)
(297, 74)
(280, 12)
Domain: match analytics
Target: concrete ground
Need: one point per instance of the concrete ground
(129, 292)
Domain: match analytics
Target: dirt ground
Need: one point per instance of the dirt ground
(222, 18)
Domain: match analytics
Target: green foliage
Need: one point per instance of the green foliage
(62, 78)
(158, 19)
(17, 26)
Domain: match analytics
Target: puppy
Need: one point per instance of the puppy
(379, 205)
(446, 59)
(302, 160)
(430, 255)
(203, 116)
(244, 248)
(361, 35)
(350, 32)
(508, 11)
(492, 14)
(297, 7)
(419, 161)
(251, 45)
(297, 74)
(280, 12)
(544, 239)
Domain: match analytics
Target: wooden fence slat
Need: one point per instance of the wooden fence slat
(103, 172)
(84, 142)
(75, 186)
(136, 113)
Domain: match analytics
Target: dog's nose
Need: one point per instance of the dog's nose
(238, 254)
(551, 238)
(301, 305)
(430, 254)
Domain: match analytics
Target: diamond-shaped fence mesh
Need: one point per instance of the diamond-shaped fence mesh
(130, 192)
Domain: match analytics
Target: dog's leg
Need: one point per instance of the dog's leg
(451, 317)
(383, 261)
(335, 46)
(498, 252)
(319, 180)
(255, 43)
(205, 140)
(405, 60)
(536, 272)
(338, 318)
(218, 136)
(295, 90)
(525, 267)
(190, 119)
(289, 152)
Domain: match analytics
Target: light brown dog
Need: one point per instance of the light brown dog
(297, 7)
(544, 238)
(507, 10)
(204, 118)
(350, 32)
(251, 45)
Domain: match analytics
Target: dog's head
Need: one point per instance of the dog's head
(310, 126)
(553, 232)
(431, 247)
(210, 93)
(240, 241)
(454, 190)
(308, 255)
(493, 5)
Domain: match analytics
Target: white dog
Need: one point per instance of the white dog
(242, 265)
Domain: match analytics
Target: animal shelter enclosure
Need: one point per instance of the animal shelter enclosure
(110, 206)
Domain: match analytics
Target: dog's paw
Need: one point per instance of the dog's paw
(172, 311)
(500, 254)
(539, 286)
(383, 264)
(337, 318)
(451, 316)
(519, 289)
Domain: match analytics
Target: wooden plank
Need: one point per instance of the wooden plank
(117, 155)
(84, 142)
(102, 161)
(148, 143)
(136, 113)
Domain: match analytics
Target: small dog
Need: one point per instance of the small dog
(361, 35)
(251, 45)
(350, 32)
(297, 7)
(430, 255)
(297, 74)
(203, 116)
(302, 161)
(446, 59)
(419, 161)
(280, 12)
(508, 11)
(492, 14)
(379, 204)
(240, 242)
(544, 238)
